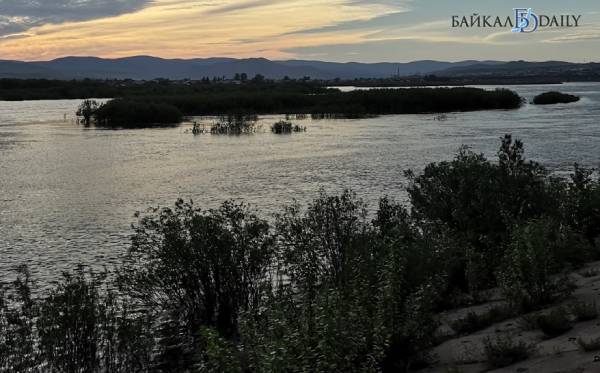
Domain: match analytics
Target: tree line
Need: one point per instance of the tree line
(150, 110)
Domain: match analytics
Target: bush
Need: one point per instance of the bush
(584, 311)
(135, 113)
(218, 354)
(590, 345)
(234, 124)
(207, 265)
(554, 97)
(581, 208)
(87, 110)
(79, 326)
(350, 300)
(555, 323)
(286, 127)
(17, 325)
(474, 322)
(533, 257)
(504, 351)
(479, 202)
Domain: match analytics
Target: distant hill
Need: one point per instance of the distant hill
(522, 68)
(24, 70)
(147, 68)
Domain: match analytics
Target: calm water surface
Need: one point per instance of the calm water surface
(68, 194)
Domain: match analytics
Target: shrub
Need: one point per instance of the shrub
(80, 325)
(593, 344)
(554, 97)
(584, 311)
(218, 354)
(136, 113)
(87, 109)
(555, 323)
(234, 124)
(350, 300)
(581, 204)
(528, 322)
(208, 265)
(474, 322)
(282, 127)
(504, 351)
(479, 202)
(17, 324)
(528, 274)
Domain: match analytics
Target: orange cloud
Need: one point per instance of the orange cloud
(179, 28)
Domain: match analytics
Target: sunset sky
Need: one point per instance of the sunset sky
(334, 30)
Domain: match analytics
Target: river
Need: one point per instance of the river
(68, 194)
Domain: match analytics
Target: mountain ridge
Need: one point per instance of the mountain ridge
(148, 67)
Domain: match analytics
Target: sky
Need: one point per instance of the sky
(332, 30)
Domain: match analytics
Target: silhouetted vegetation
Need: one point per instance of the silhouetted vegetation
(86, 111)
(137, 111)
(553, 97)
(584, 311)
(345, 104)
(42, 89)
(320, 288)
(234, 124)
(554, 323)
(505, 350)
(478, 321)
(125, 113)
(283, 127)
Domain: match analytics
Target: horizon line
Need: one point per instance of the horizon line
(286, 60)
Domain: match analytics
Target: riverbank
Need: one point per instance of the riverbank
(575, 350)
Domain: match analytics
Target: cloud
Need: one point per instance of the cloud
(386, 20)
(276, 29)
(19, 15)
(584, 34)
(197, 28)
(238, 7)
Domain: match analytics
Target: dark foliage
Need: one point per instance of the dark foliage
(125, 113)
(474, 322)
(86, 111)
(584, 311)
(208, 266)
(80, 326)
(139, 111)
(234, 124)
(504, 351)
(283, 127)
(483, 202)
(42, 89)
(555, 323)
(347, 104)
(553, 97)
